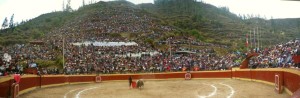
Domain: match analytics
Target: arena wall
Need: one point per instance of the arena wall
(291, 78)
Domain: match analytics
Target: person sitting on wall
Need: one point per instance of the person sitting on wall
(17, 78)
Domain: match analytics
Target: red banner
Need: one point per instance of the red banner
(296, 58)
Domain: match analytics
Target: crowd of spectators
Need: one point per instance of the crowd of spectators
(107, 59)
(280, 55)
(81, 59)
(105, 25)
(8, 67)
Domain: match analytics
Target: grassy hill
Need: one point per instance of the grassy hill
(219, 25)
(205, 22)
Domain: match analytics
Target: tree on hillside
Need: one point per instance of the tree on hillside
(92, 1)
(176, 6)
(83, 3)
(68, 6)
(11, 23)
(273, 24)
(5, 23)
(63, 5)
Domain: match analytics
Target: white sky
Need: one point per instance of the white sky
(268, 8)
(28, 9)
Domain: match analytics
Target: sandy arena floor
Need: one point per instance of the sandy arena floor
(199, 88)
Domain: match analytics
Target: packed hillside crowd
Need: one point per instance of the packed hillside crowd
(114, 59)
(21, 56)
(106, 26)
(107, 21)
(280, 55)
(116, 21)
(121, 59)
(101, 26)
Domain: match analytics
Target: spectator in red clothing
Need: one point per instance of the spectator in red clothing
(17, 78)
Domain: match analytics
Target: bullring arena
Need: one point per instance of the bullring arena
(220, 88)
(235, 83)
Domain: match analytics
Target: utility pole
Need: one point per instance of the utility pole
(251, 41)
(258, 38)
(254, 39)
(170, 48)
(63, 52)
(190, 44)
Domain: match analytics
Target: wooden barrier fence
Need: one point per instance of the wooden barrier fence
(290, 78)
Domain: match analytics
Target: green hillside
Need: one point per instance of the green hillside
(203, 21)
(219, 25)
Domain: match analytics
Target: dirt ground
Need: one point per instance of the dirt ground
(199, 88)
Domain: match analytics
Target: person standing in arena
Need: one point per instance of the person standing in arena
(130, 81)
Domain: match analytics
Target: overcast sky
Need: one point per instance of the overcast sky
(28, 9)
